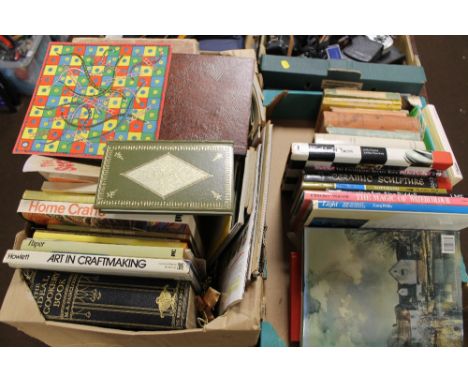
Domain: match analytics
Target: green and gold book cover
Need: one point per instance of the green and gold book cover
(167, 176)
(367, 287)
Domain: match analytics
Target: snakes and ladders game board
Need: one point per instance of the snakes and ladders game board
(91, 93)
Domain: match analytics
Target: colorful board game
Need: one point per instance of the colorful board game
(91, 93)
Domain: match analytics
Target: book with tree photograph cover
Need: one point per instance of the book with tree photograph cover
(381, 288)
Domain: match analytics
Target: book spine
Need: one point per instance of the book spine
(154, 252)
(60, 167)
(333, 139)
(54, 177)
(387, 198)
(370, 122)
(115, 302)
(363, 94)
(428, 141)
(375, 206)
(58, 197)
(295, 170)
(370, 187)
(46, 212)
(99, 264)
(312, 154)
(402, 113)
(106, 237)
(69, 187)
(195, 242)
(371, 179)
(295, 293)
(436, 128)
(374, 133)
(361, 103)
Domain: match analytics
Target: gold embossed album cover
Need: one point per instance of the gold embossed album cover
(167, 176)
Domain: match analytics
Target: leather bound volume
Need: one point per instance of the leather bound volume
(370, 121)
(111, 301)
(181, 177)
(208, 98)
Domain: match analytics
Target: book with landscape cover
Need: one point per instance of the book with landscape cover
(111, 301)
(382, 288)
(167, 176)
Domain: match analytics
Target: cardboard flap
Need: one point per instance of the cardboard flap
(188, 46)
(274, 102)
(241, 316)
(19, 291)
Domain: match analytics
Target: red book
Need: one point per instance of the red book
(295, 284)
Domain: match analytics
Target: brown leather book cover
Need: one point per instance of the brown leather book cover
(370, 121)
(208, 98)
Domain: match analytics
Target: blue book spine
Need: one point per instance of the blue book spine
(350, 187)
(445, 209)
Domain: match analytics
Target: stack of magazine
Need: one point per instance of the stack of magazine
(374, 214)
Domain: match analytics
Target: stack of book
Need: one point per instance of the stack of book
(122, 243)
(370, 179)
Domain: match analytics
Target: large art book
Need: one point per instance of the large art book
(381, 288)
(90, 93)
(112, 301)
(167, 176)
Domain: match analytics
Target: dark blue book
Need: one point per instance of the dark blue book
(116, 302)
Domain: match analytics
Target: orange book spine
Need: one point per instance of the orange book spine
(370, 121)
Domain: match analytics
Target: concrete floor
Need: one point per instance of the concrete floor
(445, 60)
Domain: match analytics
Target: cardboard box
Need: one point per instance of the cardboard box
(278, 245)
(302, 73)
(239, 326)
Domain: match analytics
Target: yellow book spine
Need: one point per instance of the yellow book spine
(54, 235)
(58, 197)
(352, 93)
(329, 102)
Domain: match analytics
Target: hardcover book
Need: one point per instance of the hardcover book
(370, 121)
(115, 302)
(167, 176)
(333, 139)
(370, 156)
(210, 99)
(59, 170)
(440, 141)
(75, 214)
(381, 288)
(90, 93)
(105, 264)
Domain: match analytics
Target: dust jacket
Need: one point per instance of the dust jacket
(365, 287)
(167, 176)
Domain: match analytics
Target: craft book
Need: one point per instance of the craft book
(90, 93)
